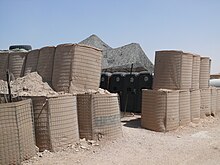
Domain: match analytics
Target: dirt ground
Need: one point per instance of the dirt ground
(192, 144)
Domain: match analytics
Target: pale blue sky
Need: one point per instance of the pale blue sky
(188, 25)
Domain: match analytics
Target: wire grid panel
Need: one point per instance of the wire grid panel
(205, 106)
(3, 65)
(31, 62)
(153, 110)
(160, 110)
(84, 111)
(195, 103)
(184, 107)
(106, 116)
(62, 67)
(63, 122)
(204, 74)
(86, 69)
(25, 127)
(17, 63)
(195, 72)
(218, 102)
(41, 123)
(9, 136)
(214, 95)
(45, 63)
(173, 70)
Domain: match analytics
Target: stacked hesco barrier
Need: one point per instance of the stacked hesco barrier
(77, 68)
(17, 141)
(45, 63)
(186, 74)
(3, 65)
(31, 62)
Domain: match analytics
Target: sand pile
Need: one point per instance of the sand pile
(29, 85)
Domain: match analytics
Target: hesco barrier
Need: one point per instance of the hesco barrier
(56, 124)
(77, 68)
(204, 74)
(195, 72)
(99, 116)
(160, 110)
(17, 136)
(214, 101)
(31, 62)
(184, 107)
(45, 63)
(218, 102)
(3, 65)
(195, 105)
(17, 63)
(205, 106)
(173, 70)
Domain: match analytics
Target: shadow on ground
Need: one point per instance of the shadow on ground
(133, 123)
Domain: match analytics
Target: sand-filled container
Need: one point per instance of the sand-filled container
(214, 100)
(31, 61)
(173, 70)
(204, 74)
(56, 124)
(218, 102)
(45, 63)
(205, 106)
(184, 107)
(99, 116)
(17, 141)
(77, 68)
(3, 65)
(195, 105)
(195, 72)
(17, 63)
(160, 110)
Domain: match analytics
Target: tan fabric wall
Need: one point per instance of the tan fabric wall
(17, 63)
(17, 137)
(195, 105)
(204, 74)
(63, 122)
(84, 110)
(195, 72)
(205, 108)
(214, 96)
(86, 69)
(173, 70)
(184, 107)
(45, 63)
(160, 110)
(62, 67)
(31, 62)
(99, 116)
(218, 102)
(77, 68)
(56, 123)
(3, 65)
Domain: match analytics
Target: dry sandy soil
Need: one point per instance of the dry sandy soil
(192, 144)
